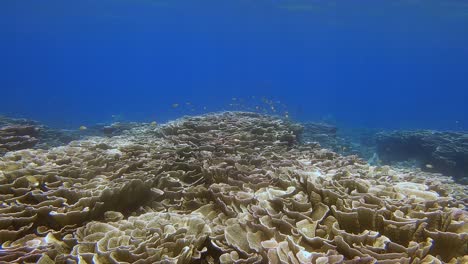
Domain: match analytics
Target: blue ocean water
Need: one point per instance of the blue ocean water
(388, 64)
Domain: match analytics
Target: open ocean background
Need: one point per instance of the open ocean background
(386, 64)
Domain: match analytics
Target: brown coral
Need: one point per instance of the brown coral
(16, 137)
(222, 188)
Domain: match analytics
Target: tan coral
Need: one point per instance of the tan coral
(231, 187)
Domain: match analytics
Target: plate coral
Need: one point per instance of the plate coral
(230, 187)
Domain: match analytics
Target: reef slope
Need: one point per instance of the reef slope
(231, 187)
(444, 152)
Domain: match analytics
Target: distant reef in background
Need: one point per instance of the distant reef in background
(21, 133)
(430, 151)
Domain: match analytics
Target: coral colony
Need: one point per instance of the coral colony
(232, 187)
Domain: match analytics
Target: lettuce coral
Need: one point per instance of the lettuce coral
(230, 187)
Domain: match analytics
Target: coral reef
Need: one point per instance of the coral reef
(16, 137)
(325, 134)
(20, 133)
(231, 187)
(118, 128)
(444, 152)
(344, 140)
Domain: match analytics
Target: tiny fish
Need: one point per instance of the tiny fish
(429, 166)
(82, 128)
(32, 180)
(175, 105)
(154, 123)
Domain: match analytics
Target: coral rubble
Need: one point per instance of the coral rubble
(232, 187)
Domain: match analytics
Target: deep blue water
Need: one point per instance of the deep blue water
(390, 64)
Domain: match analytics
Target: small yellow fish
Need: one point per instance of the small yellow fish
(32, 180)
(175, 105)
(82, 128)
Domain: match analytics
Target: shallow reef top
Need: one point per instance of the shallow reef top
(230, 187)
